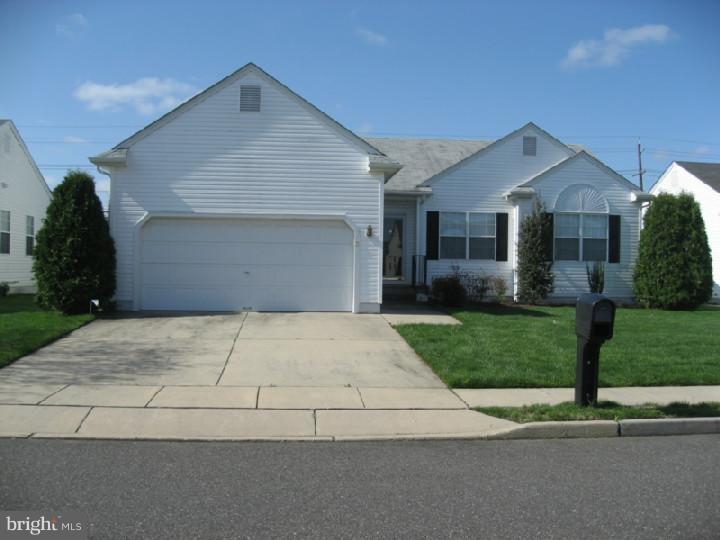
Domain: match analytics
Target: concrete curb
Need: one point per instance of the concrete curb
(585, 429)
(669, 426)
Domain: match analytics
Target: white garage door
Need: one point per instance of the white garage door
(233, 265)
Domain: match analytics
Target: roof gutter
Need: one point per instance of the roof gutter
(116, 157)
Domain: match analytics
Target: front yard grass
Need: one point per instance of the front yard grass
(24, 327)
(534, 347)
(604, 410)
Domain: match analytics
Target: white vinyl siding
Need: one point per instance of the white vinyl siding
(571, 275)
(281, 160)
(479, 185)
(22, 193)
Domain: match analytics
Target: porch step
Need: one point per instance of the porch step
(402, 293)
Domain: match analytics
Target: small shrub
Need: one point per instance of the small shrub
(499, 287)
(534, 270)
(674, 267)
(475, 284)
(4, 288)
(596, 277)
(448, 291)
(74, 259)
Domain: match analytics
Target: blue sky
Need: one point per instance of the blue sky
(79, 77)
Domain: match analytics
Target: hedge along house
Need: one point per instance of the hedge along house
(247, 197)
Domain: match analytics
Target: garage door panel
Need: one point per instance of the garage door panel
(231, 265)
(246, 298)
(264, 231)
(245, 275)
(246, 253)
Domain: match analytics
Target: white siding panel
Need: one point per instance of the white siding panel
(479, 185)
(570, 276)
(215, 159)
(23, 194)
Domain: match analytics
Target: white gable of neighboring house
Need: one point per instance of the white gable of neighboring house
(208, 163)
(675, 180)
(24, 197)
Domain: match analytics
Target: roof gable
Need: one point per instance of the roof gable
(230, 79)
(423, 158)
(708, 173)
(495, 144)
(582, 154)
(16, 134)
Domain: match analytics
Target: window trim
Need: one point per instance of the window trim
(580, 236)
(28, 236)
(8, 231)
(467, 235)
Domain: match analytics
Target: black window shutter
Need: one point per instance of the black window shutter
(432, 233)
(548, 232)
(501, 236)
(614, 234)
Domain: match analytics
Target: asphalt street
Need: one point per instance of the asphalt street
(665, 487)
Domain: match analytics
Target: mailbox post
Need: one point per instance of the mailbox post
(594, 321)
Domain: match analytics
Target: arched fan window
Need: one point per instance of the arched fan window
(581, 224)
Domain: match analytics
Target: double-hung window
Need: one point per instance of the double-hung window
(467, 235)
(581, 237)
(29, 235)
(482, 236)
(4, 231)
(453, 235)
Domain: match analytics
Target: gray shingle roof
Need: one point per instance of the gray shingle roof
(707, 172)
(422, 158)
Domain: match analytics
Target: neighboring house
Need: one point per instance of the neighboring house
(702, 180)
(24, 196)
(249, 197)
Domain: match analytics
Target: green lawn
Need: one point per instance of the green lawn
(605, 410)
(24, 327)
(527, 347)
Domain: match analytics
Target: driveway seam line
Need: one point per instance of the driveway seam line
(227, 360)
(83, 420)
(315, 422)
(257, 398)
(51, 395)
(361, 398)
(154, 395)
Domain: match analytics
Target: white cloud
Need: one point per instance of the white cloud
(70, 139)
(701, 150)
(365, 128)
(71, 26)
(147, 96)
(371, 38)
(102, 185)
(51, 180)
(614, 46)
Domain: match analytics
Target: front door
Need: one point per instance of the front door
(393, 248)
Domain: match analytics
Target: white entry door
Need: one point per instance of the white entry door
(246, 264)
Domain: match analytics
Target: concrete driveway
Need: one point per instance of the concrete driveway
(246, 349)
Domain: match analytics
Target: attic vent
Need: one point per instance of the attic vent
(249, 98)
(529, 146)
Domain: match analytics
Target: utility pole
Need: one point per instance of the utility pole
(641, 171)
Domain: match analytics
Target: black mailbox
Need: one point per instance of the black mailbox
(594, 322)
(594, 317)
